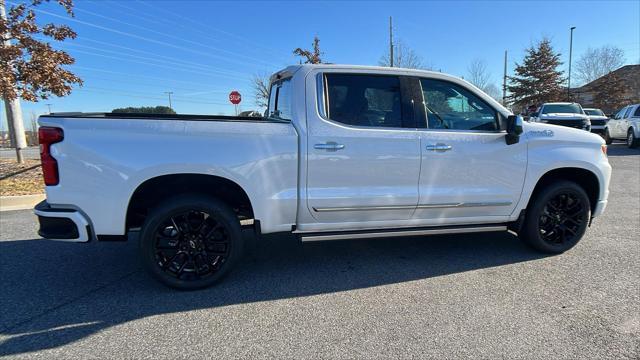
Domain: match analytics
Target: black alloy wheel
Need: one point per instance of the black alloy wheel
(557, 217)
(561, 219)
(190, 242)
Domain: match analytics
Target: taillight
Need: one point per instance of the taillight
(46, 137)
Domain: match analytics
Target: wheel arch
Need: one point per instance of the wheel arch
(155, 189)
(585, 178)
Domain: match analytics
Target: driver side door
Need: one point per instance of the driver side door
(468, 174)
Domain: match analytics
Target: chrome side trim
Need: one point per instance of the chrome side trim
(398, 233)
(406, 207)
(365, 208)
(491, 203)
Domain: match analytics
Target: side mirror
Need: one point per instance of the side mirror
(514, 129)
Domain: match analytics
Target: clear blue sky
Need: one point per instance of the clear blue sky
(130, 52)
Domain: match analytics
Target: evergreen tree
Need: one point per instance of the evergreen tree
(537, 79)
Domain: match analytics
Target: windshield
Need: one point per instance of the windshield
(562, 109)
(594, 112)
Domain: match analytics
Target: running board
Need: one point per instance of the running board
(371, 234)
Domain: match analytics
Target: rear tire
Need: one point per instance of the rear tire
(557, 218)
(632, 140)
(190, 241)
(607, 137)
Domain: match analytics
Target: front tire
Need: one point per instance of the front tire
(632, 141)
(607, 137)
(557, 218)
(190, 241)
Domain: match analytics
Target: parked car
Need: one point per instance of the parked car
(598, 120)
(345, 152)
(625, 125)
(563, 114)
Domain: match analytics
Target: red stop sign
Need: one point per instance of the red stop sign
(235, 97)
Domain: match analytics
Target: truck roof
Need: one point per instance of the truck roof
(290, 70)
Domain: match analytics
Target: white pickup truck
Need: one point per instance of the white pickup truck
(346, 152)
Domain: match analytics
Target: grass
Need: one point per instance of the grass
(26, 183)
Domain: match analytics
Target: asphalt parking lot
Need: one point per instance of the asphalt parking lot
(481, 296)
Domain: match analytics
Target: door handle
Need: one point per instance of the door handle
(439, 147)
(329, 146)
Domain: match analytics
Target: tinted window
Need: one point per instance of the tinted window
(364, 100)
(280, 100)
(628, 113)
(620, 113)
(561, 109)
(637, 112)
(594, 112)
(450, 106)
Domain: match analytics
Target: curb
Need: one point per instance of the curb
(21, 202)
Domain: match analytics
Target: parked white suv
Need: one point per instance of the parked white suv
(625, 125)
(346, 152)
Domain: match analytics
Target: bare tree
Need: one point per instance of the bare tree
(31, 69)
(595, 63)
(311, 56)
(478, 74)
(260, 84)
(493, 91)
(404, 57)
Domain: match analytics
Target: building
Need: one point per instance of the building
(630, 74)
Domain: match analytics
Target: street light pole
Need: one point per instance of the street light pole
(570, 53)
(169, 93)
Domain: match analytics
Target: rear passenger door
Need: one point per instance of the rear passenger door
(363, 150)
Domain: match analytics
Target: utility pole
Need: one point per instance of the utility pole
(49, 107)
(504, 80)
(390, 41)
(169, 93)
(570, 53)
(12, 107)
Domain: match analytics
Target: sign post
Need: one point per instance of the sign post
(235, 98)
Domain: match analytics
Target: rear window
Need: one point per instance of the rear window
(594, 112)
(364, 100)
(562, 109)
(280, 100)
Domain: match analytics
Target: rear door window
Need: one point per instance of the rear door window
(364, 100)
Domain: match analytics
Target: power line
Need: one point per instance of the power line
(135, 75)
(151, 61)
(127, 34)
(154, 85)
(172, 36)
(174, 68)
(184, 18)
(84, 38)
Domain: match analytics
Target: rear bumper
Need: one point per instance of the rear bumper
(62, 224)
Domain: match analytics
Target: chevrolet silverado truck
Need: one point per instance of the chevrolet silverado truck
(343, 152)
(563, 114)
